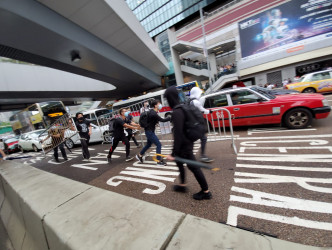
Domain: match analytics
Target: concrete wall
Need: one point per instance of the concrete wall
(41, 211)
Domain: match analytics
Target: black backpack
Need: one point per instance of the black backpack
(111, 124)
(195, 124)
(144, 119)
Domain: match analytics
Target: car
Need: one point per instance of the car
(11, 145)
(317, 82)
(99, 134)
(255, 106)
(30, 141)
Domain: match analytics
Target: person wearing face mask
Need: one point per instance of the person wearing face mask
(131, 135)
(153, 119)
(119, 135)
(85, 130)
(145, 107)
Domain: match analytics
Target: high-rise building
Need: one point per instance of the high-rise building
(158, 15)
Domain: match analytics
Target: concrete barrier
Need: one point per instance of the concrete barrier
(41, 210)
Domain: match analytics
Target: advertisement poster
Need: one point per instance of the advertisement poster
(285, 26)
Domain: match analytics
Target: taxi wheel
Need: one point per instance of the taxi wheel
(298, 118)
(309, 90)
(107, 137)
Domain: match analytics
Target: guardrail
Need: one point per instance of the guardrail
(217, 126)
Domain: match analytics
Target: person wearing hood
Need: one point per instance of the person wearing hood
(195, 95)
(84, 128)
(183, 147)
(153, 119)
(119, 135)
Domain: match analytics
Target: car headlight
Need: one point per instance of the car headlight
(325, 102)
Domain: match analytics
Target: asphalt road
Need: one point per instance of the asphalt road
(279, 183)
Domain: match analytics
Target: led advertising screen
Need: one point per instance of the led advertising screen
(287, 27)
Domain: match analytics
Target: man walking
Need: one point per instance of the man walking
(153, 119)
(183, 147)
(195, 95)
(85, 130)
(56, 133)
(119, 135)
(131, 135)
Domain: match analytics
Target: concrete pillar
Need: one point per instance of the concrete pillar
(213, 64)
(175, 57)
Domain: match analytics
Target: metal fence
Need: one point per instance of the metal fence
(217, 122)
(135, 111)
(61, 130)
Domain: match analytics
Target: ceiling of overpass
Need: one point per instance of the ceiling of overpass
(111, 43)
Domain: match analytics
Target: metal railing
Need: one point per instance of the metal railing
(217, 126)
(135, 111)
(61, 130)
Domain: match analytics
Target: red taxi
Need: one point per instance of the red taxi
(255, 105)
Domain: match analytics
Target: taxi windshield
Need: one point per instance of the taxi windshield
(265, 92)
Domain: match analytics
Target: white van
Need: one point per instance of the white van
(99, 133)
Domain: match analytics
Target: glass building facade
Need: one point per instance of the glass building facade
(158, 15)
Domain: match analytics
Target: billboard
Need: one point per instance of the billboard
(288, 27)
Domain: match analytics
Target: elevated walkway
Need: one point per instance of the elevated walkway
(194, 71)
(220, 83)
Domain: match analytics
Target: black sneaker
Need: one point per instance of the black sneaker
(139, 158)
(202, 196)
(161, 163)
(206, 159)
(180, 189)
(56, 159)
(138, 146)
(109, 159)
(129, 158)
(66, 159)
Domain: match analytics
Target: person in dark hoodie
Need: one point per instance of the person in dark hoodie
(153, 119)
(183, 147)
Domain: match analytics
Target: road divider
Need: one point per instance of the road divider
(41, 210)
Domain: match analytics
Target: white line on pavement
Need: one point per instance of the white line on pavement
(284, 168)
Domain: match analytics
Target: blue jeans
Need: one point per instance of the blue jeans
(152, 138)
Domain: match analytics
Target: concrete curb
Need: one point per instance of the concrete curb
(41, 210)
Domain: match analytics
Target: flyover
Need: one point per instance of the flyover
(99, 39)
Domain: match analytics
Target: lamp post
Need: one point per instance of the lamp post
(204, 44)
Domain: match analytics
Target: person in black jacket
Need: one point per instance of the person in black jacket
(153, 119)
(119, 135)
(183, 147)
(84, 128)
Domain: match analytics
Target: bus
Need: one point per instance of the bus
(37, 116)
(186, 87)
(135, 102)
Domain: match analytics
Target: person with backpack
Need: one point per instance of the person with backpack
(195, 95)
(131, 135)
(185, 134)
(84, 128)
(151, 118)
(118, 125)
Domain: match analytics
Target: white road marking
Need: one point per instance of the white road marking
(261, 131)
(288, 168)
(160, 186)
(269, 178)
(286, 158)
(234, 212)
(311, 142)
(151, 174)
(284, 149)
(286, 137)
(273, 200)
